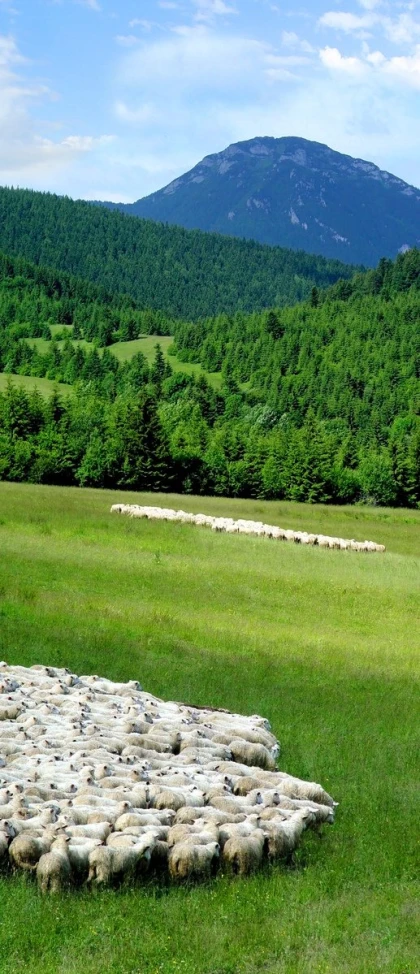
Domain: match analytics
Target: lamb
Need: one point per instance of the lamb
(53, 870)
(188, 861)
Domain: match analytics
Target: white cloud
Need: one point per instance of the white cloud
(294, 42)
(406, 70)
(198, 60)
(136, 116)
(376, 58)
(146, 25)
(346, 22)
(403, 30)
(206, 10)
(127, 40)
(25, 153)
(399, 30)
(335, 61)
(370, 4)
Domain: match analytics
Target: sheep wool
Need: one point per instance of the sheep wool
(82, 802)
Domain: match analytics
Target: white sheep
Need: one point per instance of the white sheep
(109, 763)
(53, 869)
(188, 861)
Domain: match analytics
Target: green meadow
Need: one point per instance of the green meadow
(124, 352)
(323, 643)
(30, 382)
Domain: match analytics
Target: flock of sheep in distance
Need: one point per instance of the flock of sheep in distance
(257, 528)
(100, 781)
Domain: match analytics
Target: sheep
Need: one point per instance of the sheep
(245, 785)
(78, 854)
(7, 834)
(25, 849)
(255, 528)
(243, 854)
(110, 764)
(107, 863)
(197, 831)
(188, 861)
(53, 869)
(98, 830)
(254, 755)
(283, 837)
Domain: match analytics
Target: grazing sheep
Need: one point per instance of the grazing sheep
(255, 528)
(103, 780)
(283, 837)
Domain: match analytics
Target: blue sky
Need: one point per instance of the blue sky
(112, 99)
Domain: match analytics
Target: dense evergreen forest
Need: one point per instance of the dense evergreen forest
(183, 273)
(318, 402)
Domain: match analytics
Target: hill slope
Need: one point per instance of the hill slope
(316, 402)
(183, 273)
(293, 193)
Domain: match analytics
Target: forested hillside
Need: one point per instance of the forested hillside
(183, 273)
(318, 402)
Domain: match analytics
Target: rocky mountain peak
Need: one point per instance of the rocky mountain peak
(294, 193)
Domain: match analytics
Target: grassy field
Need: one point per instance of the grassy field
(323, 643)
(30, 382)
(42, 345)
(124, 352)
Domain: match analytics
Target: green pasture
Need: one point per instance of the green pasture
(323, 643)
(31, 382)
(124, 352)
(43, 345)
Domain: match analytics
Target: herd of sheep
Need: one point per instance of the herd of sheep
(100, 781)
(257, 528)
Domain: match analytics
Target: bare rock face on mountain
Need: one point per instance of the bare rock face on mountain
(293, 193)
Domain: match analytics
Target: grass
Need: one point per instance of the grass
(323, 643)
(30, 382)
(124, 352)
(147, 345)
(43, 345)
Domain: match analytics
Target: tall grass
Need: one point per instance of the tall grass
(323, 643)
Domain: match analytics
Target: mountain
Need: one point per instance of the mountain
(290, 192)
(184, 273)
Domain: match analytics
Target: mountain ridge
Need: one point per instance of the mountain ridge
(294, 193)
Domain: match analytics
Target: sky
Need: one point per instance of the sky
(112, 99)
